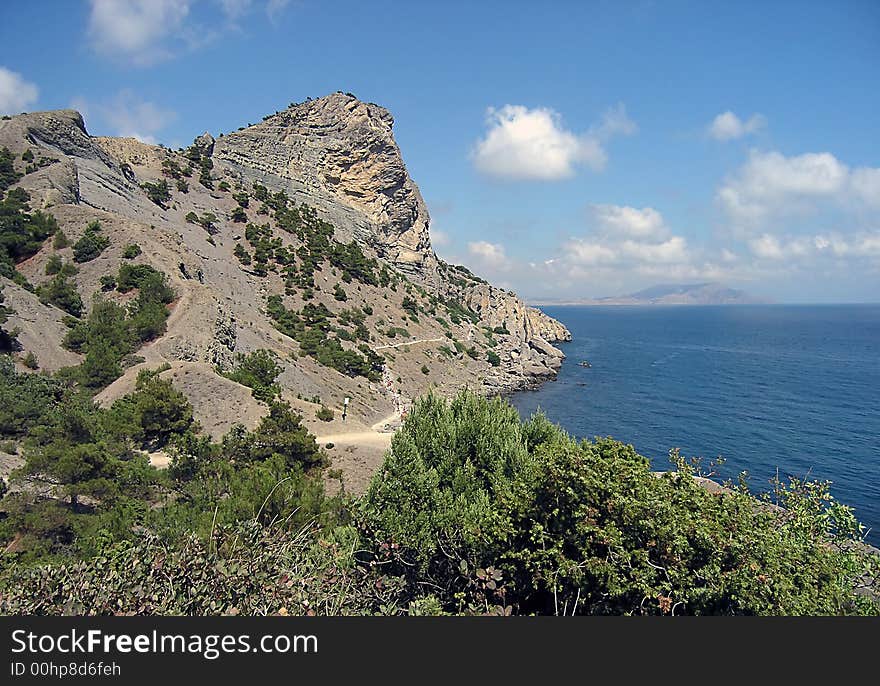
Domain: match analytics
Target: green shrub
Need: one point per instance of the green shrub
(158, 192)
(54, 264)
(91, 245)
(325, 414)
(258, 371)
(62, 294)
(61, 241)
(8, 175)
(492, 358)
(131, 251)
(488, 511)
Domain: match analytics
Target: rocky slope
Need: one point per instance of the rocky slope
(233, 231)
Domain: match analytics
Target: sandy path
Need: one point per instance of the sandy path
(374, 437)
(400, 345)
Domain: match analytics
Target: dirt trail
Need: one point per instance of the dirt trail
(376, 436)
(400, 345)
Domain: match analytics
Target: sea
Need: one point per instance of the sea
(787, 389)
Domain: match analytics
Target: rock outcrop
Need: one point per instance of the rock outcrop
(337, 155)
(339, 150)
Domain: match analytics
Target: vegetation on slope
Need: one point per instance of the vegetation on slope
(473, 511)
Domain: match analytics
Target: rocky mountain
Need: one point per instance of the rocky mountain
(677, 294)
(302, 235)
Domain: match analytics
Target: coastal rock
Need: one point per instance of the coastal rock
(338, 155)
(339, 150)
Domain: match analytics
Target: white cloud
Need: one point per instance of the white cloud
(727, 126)
(767, 247)
(439, 239)
(587, 253)
(807, 248)
(865, 185)
(770, 184)
(143, 32)
(670, 251)
(616, 219)
(235, 9)
(136, 30)
(130, 116)
(524, 143)
(628, 236)
(615, 122)
(275, 8)
(489, 255)
(16, 94)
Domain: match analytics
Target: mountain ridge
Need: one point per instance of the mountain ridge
(706, 293)
(303, 235)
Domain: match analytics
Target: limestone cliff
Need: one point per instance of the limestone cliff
(431, 323)
(339, 150)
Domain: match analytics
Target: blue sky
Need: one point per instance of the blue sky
(565, 149)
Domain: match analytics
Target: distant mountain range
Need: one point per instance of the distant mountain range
(672, 294)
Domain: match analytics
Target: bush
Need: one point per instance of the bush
(237, 572)
(325, 414)
(131, 251)
(487, 510)
(62, 294)
(61, 241)
(8, 175)
(258, 371)
(54, 264)
(493, 358)
(158, 192)
(22, 231)
(91, 245)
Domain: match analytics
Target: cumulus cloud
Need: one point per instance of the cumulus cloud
(615, 122)
(491, 256)
(770, 185)
(669, 251)
(626, 238)
(865, 185)
(143, 32)
(439, 239)
(588, 253)
(614, 219)
(834, 245)
(727, 126)
(128, 115)
(524, 143)
(136, 30)
(16, 94)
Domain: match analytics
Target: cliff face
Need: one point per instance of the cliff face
(434, 324)
(339, 150)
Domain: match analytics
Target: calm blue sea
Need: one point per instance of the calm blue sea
(765, 386)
